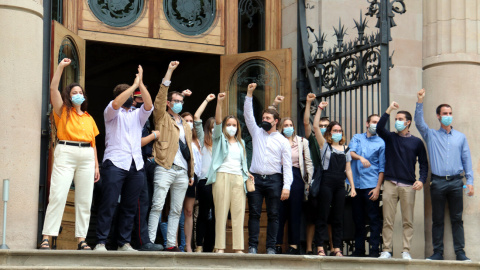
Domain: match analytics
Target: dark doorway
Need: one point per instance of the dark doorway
(108, 65)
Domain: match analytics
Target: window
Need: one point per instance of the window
(251, 25)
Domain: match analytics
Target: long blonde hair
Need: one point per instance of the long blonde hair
(238, 135)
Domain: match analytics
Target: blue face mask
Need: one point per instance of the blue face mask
(323, 130)
(177, 107)
(336, 137)
(446, 120)
(288, 131)
(400, 125)
(78, 99)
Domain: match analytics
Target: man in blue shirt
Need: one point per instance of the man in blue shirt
(449, 158)
(368, 165)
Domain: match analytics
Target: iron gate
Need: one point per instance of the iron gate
(352, 76)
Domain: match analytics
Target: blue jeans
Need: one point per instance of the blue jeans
(362, 207)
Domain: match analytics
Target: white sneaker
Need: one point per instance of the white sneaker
(126, 247)
(385, 255)
(406, 255)
(100, 247)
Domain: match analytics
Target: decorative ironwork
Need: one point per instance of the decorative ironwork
(190, 17)
(69, 50)
(250, 8)
(352, 75)
(117, 13)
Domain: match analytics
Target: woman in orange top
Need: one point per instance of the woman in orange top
(75, 158)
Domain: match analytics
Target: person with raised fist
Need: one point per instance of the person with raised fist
(227, 175)
(402, 150)
(122, 169)
(174, 157)
(271, 154)
(449, 155)
(335, 162)
(75, 158)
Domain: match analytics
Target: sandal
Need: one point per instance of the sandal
(335, 253)
(45, 244)
(83, 246)
(321, 253)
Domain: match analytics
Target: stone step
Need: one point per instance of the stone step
(65, 259)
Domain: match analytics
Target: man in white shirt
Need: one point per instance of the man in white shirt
(271, 154)
(122, 169)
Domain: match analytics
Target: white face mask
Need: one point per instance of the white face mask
(231, 130)
(191, 125)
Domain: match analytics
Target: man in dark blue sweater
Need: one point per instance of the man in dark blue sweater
(401, 152)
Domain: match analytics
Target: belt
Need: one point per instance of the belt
(177, 168)
(264, 176)
(448, 177)
(79, 144)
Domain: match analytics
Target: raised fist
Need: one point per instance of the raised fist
(221, 96)
(311, 97)
(186, 93)
(323, 104)
(279, 99)
(173, 65)
(65, 62)
(421, 94)
(394, 106)
(210, 97)
(252, 86)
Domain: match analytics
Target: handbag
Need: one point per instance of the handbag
(317, 178)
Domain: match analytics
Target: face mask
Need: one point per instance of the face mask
(190, 124)
(78, 99)
(266, 126)
(323, 130)
(336, 137)
(446, 120)
(400, 125)
(139, 105)
(231, 130)
(128, 103)
(373, 129)
(288, 131)
(177, 107)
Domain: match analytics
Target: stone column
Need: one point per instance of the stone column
(451, 63)
(21, 55)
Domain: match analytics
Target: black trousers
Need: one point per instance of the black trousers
(206, 214)
(115, 182)
(442, 191)
(140, 226)
(291, 210)
(363, 207)
(270, 189)
(332, 193)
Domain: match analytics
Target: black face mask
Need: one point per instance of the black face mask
(266, 126)
(139, 104)
(128, 103)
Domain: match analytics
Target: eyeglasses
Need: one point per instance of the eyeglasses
(177, 101)
(337, 131)
(323, 126)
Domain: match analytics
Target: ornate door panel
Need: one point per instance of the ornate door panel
(65, 44)
(272, 71)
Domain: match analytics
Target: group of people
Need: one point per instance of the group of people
(187, 160)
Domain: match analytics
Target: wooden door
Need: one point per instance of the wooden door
(65, 43)
(272, 71)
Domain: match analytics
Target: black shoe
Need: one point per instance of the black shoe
(462, 257)
(293, 251)
(310, 252)
(278, 250)
(252, 250)
(358, 254)
(173, 249)
(435, 257)
(151, 247)
(374, 254)
(271, 251)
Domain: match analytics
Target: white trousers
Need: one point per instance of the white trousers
(77, 164)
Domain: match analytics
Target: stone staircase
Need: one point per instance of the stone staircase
(61, 259)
